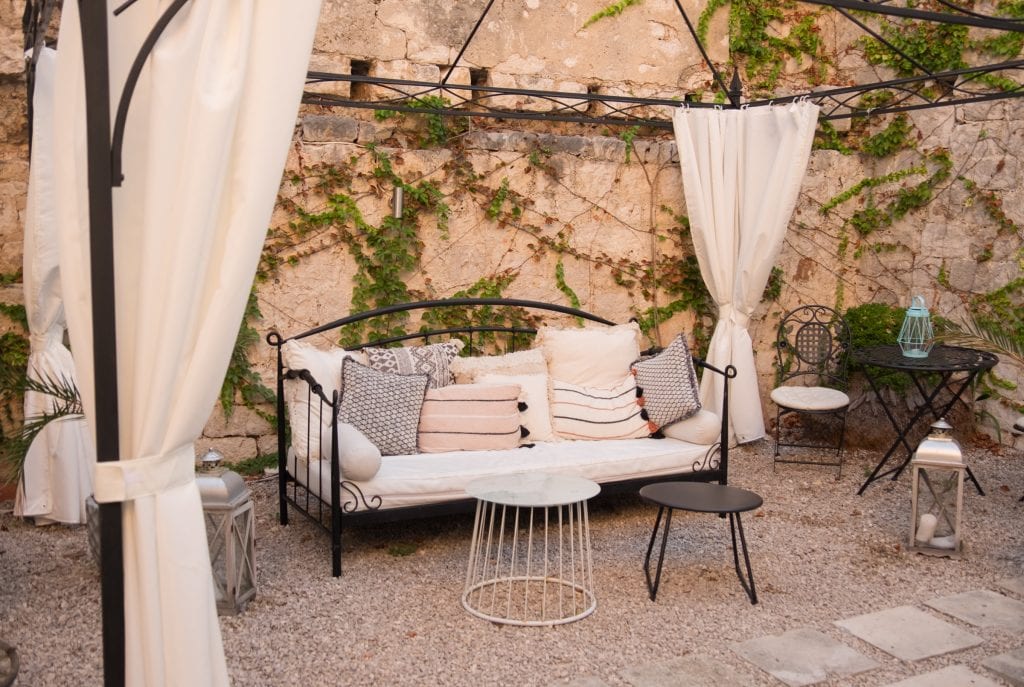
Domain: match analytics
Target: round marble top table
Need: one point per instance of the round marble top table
(529, 558)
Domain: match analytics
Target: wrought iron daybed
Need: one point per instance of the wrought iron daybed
(484, 325)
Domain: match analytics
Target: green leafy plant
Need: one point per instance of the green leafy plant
(241, 381)
(66, 402)
(762, 50)
(612, 10)
(877, 324)
(255, 467)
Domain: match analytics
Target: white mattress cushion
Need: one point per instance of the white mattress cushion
(413, 480)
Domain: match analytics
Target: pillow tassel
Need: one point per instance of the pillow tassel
(523, 432)
(523, 406)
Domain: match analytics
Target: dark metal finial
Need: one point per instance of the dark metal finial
(735, 88)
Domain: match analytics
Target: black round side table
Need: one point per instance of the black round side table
(700, 497)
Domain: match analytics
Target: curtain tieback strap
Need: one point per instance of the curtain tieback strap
(126, 480)
(728, 313)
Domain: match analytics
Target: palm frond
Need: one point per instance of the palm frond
(986, 335)
(67, 402)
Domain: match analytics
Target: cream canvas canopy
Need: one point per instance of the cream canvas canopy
(156, 275)
(57, 475)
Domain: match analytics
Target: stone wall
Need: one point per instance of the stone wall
(577, 180)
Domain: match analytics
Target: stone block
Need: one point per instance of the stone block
(328, 127)
(401, 69)
(234, 449)
(266, 444)
(243, 422)
(331, 64)
(459, 77)
(12, 294)
(374, 132)
(535, 103)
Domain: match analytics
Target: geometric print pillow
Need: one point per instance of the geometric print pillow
(384, 407)
(433, 360)
(668, 384)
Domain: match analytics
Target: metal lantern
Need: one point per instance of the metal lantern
(937, 494)
(916, 336)
(230, 533)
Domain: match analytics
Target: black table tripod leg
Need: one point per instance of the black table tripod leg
(735, 523)
(652, 587)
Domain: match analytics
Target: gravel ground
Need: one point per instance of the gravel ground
(820, 553)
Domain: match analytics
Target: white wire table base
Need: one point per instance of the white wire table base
(530, 565)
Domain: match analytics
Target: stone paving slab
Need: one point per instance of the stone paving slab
(1009, 666)
(688, 671)
(803, 657)
(1013, 584)
(983, 608)
(908, 633)
(958, 675)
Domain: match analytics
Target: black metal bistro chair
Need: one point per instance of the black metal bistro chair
(812, 347)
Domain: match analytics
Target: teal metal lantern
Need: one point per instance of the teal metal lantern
(916, 335)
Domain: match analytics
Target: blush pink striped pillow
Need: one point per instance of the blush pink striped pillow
(470, 417)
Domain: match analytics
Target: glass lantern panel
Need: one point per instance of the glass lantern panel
(937, 495)
(216, 526)
(245, 573)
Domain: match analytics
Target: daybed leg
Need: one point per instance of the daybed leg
(336, 544)
(335, 497)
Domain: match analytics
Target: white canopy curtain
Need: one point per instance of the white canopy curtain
(742, 171)
(206, 140)
(59, 463)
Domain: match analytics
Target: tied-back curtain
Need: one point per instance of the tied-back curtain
(206, 140)
(742, 171)
(57, 476)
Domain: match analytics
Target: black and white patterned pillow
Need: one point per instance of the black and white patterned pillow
(384, 407)
(433, 360)
(668, 384)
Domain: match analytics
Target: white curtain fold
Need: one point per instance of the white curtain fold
(58, 465)
(206, 140)
(742, 171)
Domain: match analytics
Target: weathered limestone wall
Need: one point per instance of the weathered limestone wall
(13, 141)
(606, 207)
(578, 183)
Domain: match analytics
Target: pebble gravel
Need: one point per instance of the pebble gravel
(820, 553)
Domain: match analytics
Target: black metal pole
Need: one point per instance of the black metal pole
(95, 60)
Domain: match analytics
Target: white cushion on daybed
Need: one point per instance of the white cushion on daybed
(422, 479)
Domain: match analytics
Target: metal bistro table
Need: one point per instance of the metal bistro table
(955, 368)
(700, 497)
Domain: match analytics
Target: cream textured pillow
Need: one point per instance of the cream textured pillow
(304, 408)
(593, 357)
(703, 427)
(358, 457)
(537, 416)
(470, 417)
(580, 412)
(469, 370)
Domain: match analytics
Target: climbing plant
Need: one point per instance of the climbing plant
(760, 49)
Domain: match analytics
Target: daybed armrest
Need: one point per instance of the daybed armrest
(728, 373)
